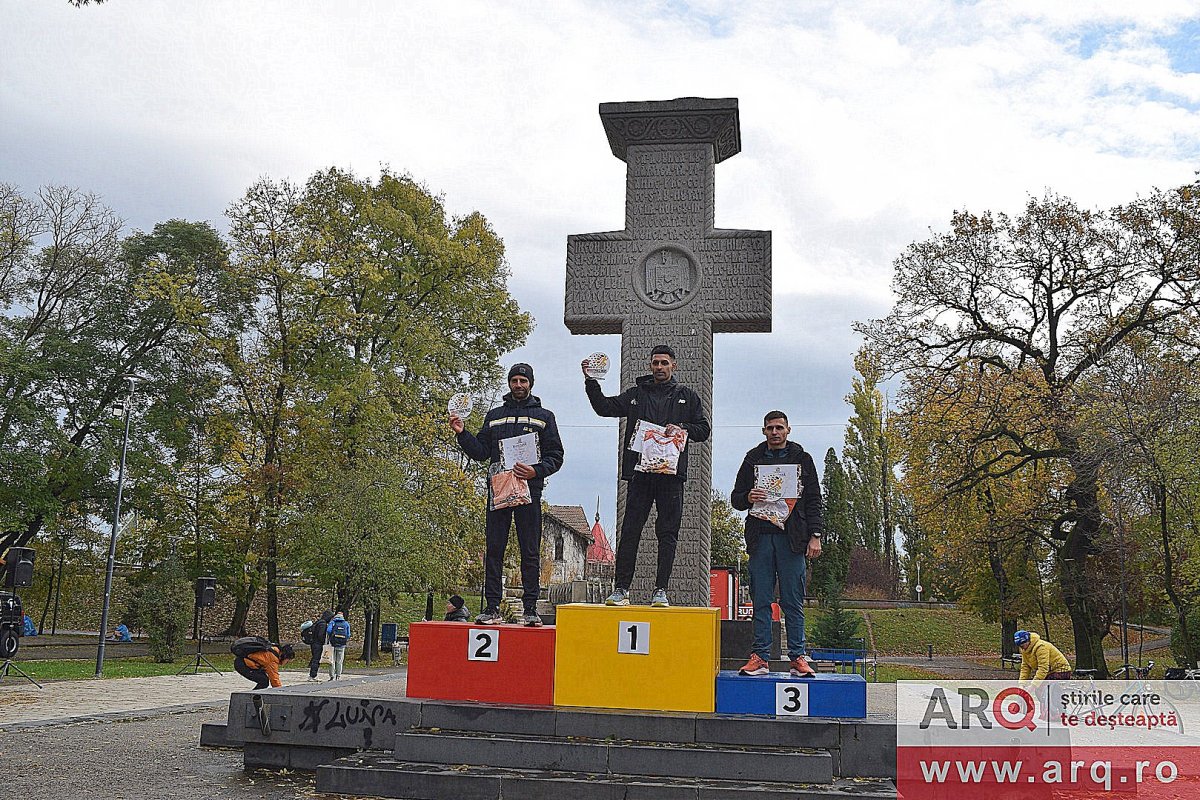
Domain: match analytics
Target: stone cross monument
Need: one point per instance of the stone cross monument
(669, 277)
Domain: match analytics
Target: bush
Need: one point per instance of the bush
(163, 607)
(837, 627)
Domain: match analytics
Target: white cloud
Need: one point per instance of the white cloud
(864, 125)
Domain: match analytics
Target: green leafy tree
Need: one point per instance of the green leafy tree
(829, 571)
(163, 606)
(864, 458)
(82, 309)
(728, 538)
(374, 306)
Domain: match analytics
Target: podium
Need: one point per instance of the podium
(778, 694)
(636, 657)
(483, 663)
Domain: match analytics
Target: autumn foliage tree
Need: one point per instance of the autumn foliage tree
(1041, 301)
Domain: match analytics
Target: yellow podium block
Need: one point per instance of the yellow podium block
(638, 657)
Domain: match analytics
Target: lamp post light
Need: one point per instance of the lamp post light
(112, 540)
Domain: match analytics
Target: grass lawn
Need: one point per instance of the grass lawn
(909, 631)
(890, 673)
(144, 667)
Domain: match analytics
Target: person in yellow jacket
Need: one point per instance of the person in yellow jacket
(1040, 660)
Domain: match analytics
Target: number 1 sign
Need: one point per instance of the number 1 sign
(634, 638)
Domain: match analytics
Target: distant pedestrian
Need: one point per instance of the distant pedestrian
(456, 610)
(316, 642)
(337, 635)
(256, 659)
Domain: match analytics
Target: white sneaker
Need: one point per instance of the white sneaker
(619, 597)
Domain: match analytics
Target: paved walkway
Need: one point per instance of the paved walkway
(64, 702)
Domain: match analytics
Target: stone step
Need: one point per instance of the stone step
(216, 734)
(617, 757)
(678, 727)
(378, 775)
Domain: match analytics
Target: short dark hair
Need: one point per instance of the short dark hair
(287, 652)
(663, 350)
(774, 415)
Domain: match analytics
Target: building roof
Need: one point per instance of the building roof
(572, 517)
(600, 550)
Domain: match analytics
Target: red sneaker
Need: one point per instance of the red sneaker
(755, 666)
(801, 668)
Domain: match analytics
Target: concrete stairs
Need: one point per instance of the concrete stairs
(380, 775)
(471, 751)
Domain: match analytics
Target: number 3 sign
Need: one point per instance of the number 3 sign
(791, 700)
(483, 644)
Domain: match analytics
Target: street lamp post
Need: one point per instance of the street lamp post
(112, 539)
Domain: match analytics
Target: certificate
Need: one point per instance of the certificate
(779, 481)
(521, 449)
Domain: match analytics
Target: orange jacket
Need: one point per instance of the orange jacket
(269, 661)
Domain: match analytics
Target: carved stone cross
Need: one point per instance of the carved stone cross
(671, 278)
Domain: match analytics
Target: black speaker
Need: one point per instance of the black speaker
(206, 592)
(18, 568)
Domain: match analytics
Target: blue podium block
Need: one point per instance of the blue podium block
(778, 694)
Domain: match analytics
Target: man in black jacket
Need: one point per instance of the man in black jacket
(317, 644)
(779, 553)
(521, 413)
(660, 399)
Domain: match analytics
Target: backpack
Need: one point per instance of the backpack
(339, 633)
(306, 631)
(249, 644)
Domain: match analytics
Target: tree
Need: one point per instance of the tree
(836, 627)
(163, 606)
(82, 309)
(728, 539)
(373, 307)
(1147, 419)
(863, 455)
(829, 571)
(1041, 302)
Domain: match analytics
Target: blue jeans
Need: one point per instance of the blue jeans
(774, 558)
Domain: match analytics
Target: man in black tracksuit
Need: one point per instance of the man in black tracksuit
(779, 554)
(660, 399)
(521, 413)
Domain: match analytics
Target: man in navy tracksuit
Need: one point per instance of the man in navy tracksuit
(660, 399)
(521, 413)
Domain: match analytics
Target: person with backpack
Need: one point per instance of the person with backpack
(337, 635)
(312, 633)
(256, 659)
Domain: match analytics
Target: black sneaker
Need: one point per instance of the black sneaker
(531, 620)
(489, 617)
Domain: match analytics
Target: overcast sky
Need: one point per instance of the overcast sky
(864, 125)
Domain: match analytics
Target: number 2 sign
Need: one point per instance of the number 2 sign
(634, 637)
(483, 644)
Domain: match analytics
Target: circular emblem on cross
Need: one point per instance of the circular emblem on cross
(667, 277)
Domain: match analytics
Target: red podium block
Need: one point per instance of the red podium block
(484, 663)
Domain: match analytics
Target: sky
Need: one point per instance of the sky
(864, 126)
